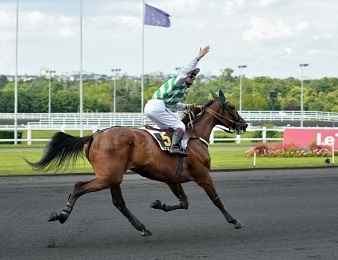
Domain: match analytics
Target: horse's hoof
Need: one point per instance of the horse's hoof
(145, 232)
(238, 225)
(63, 217)
(156, 205)
(53, 216)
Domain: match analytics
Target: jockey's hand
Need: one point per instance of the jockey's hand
(203, 51)
(191, 106)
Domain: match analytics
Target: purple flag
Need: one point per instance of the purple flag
(156, 17)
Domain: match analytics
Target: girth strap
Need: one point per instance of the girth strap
(179, 168)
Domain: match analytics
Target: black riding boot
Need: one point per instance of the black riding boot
(176, 144)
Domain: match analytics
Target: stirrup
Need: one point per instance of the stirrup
(178, 151)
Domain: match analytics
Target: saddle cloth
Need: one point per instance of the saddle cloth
(163, 138)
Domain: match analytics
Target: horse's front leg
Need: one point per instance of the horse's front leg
(209, 187)
(179, 193)
(120, 204)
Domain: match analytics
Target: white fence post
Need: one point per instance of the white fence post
(94, 129)
(333, 153)
(238, 139)
(264, 134)
(29, 135)
(212, 136)
(332, 150)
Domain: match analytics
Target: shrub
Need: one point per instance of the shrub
(290, 150)
(269, 134)
(9, 135)
(223, 135)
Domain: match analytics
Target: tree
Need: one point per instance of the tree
(65, 101)
(325, 85)
(7, 102)
(319, 94)
(254, 102)
(226, 75)
(98, 96)
(330, 100)
(262, 85)
(315, 104)
(3, 81)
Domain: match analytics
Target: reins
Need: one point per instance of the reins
(193, 117)
(220, 117)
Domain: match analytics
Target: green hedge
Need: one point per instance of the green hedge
(223, 135)
(269, 134)
(10, 135)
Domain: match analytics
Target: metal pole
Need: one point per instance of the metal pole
(114, 93)
(240, 90)
(301, 101)
(114, 107)
(240, 86)
(142, 76)
(81, 85)
(302, 95)
(16, 77)
(49, 100)
(50, 72)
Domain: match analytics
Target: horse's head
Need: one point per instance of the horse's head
(221, 110)
(225, 113)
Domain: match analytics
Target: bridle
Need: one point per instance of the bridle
(220, 117)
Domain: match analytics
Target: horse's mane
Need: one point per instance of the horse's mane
(195, 111)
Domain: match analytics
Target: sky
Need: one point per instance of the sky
(271, 37)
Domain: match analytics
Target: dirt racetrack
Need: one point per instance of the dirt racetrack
(288, 214)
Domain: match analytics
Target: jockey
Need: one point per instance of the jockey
(168, 97)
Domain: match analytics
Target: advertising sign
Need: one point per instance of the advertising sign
(307, 136)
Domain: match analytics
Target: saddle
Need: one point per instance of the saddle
(162, 136)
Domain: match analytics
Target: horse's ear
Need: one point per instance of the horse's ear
(214, 95)
(223, 98)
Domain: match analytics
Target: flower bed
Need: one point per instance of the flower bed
(290, 150)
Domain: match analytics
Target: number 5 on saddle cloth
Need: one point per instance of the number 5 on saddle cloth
(163, 138)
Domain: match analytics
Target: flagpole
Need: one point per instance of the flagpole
(156, 17)
(142, 78)
(81, 91)
(16, 77)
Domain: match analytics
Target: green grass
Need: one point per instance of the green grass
(12, 162)
(235, 159)
(223, 157)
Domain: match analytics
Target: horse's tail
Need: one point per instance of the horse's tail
(62, 151)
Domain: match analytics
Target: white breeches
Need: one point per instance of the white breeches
(157, 112)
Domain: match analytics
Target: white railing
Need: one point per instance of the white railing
(64, 128)
(248, 115)
(28, 129)
(239, 138)
(93, 121)
(90, 122)
(289, 115)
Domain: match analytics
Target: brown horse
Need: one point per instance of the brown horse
(115, 150)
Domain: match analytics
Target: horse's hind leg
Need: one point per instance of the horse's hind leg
(208, 185)
(120, 204)
(80, 188)
(179, 193)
